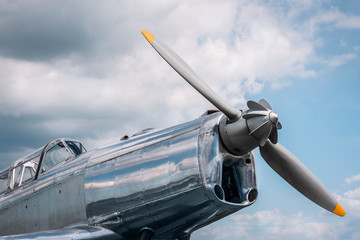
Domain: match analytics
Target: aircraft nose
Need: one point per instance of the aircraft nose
(273, 116)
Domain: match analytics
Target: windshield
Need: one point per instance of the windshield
(55, 154)
(3, 182)
(76, 147)
(25, 169)
(60, 151)
(23, 173)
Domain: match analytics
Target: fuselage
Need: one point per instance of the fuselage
(172, 181)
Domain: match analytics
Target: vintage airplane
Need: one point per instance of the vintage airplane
(155, 184)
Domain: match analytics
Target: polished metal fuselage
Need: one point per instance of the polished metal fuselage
(171, 181)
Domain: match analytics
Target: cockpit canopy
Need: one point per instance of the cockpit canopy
(26, 169)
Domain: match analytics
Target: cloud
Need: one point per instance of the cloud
(43, 31)
(353, 179)
(337, 19)
(274, 224)
(351, 201)
(338, 60)
(83, 70)
(235, 48)
(16, 153)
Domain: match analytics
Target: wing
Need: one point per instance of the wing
(79, 232)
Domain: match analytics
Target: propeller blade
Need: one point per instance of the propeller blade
(264, 139)
(298, 176)
(180, 66)
(273, 135)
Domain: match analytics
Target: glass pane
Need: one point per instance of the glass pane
(75, 147)
(16, 177)
(82, 148)
(35, 162)
(55, 155)
(3, 183)
(29, 174)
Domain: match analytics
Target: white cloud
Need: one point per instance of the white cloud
(350, 201)
(352, 179)
(338, 19)
(338, 60)
(246, 46)
(250, 44)
(274, 224)
(15, 154)
(343, 43)
(115, 80)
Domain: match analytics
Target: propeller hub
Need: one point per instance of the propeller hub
(273, 116)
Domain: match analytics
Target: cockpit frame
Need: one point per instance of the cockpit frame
(32, 166)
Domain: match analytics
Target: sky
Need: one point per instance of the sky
(82, 69)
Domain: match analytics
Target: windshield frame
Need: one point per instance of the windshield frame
(34, 161)
(64, 142)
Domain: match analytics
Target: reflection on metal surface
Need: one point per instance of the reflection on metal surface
(93, 232)
(49, 202)
(166, 177)
(174, 181)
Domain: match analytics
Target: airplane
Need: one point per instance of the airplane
(155, 184)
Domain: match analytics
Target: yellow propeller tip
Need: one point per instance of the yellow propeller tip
(339, 210)
(148, 36)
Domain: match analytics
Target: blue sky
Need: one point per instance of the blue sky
(83, 70)
(320, 115)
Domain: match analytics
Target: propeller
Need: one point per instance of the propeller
(189, 75)
(241, 132)
(297, 175)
